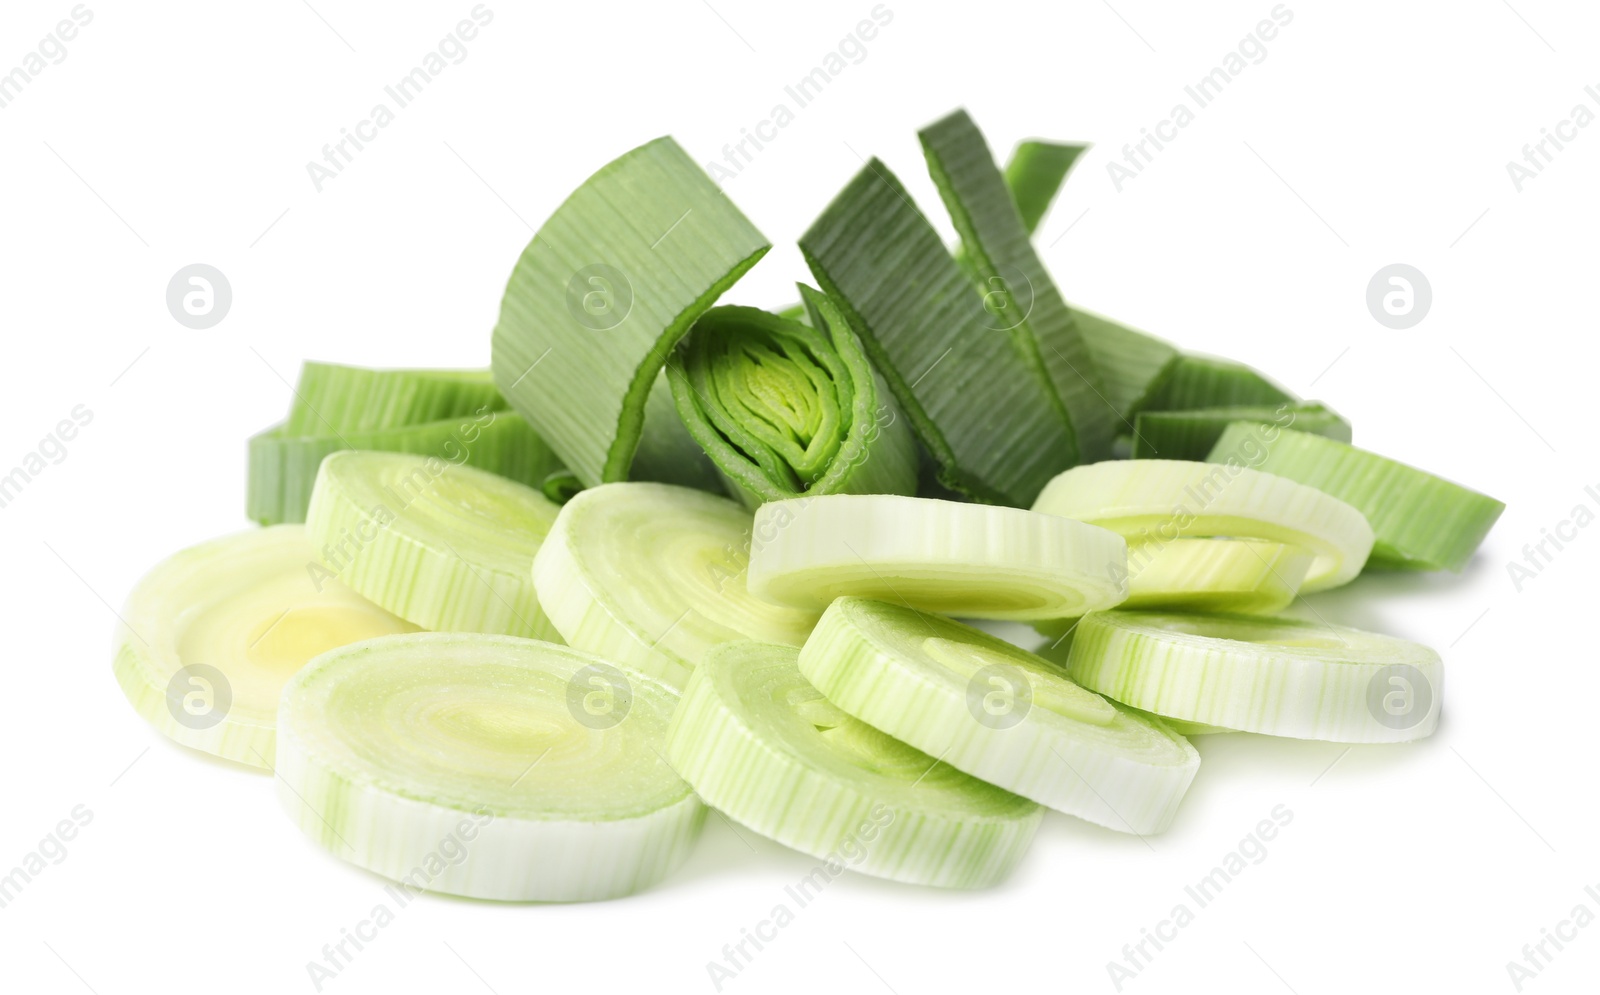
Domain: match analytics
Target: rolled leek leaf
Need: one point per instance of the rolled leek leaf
(761, 744)
(1191, 435)
(1277, 676)
(939, 556)
(1157, 501)
(1017, 285)
(1422, 522)
(998, 713)
(785, 408)
(449, 548)
(1207, 382)
(486, 766)
(653, 576)
(601, 295)
(211, 634)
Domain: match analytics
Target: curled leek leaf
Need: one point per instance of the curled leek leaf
(1191, 435)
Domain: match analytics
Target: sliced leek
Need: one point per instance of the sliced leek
(597, 301)
(998, 713)
(1236, 575)
(485, 766)
(939, 556)
(653, 576)
(1157, 501)
(449, 548)
(1191, 435)
(211, 634)
(1035, 173)
(1278, 676)
(761, 744)
(786, 408)
(1422, 522)
(1208, 382)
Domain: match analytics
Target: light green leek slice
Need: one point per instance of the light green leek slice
(653, 576)
(1191, 435)
(1207, 382)
(1422, 522)
(449, 548)
(486, 766)
(1162, 500)
(1035, 174)
(786, 408)
(335, 398)
(984, 408)
(762, 745)
(958, 559)
(1278, 676)
(1235, 575)
(1016, 284)
(998, 713)
(212, 633)
(601, 295)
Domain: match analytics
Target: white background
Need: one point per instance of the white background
(1372, 133)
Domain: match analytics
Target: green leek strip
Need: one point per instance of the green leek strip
(486, 766)
(985, 411)
(1191, 435)
(332, 398)
(1157, 501)
(1422, 522)
(761, 744)
(1017, 286)
(998, 713)
(785, 408)
(599, 298)
(1035, 174)
(959, 559)
(1278, 676)
(449, 548)
(211, 634)
(652, 576)
(1206, 382)
(1236, 575)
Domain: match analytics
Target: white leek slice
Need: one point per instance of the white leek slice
(652, 576)
(1157, 501)
(486, 766)
(998, 713)
(973, 560)
(761, 744)
(212, 633)
(447, 547)
(1278, 676)
(1239, 575)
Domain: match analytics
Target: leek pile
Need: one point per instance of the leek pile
(670, 553)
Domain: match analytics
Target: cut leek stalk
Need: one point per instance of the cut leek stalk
(1208, 382)
(786, 408)
(1157, 501)
(601, 295)
(1191, 435)
(449, 548)
(486, 766)
(998, 713)
(332, 398)
(1230, 575)
(1422, 522)
(211, 635)
(761, 744)
(1016, 283)
(1035, 173)
(1278, 676)
(653, 576)
(985, 410)
(939, 556)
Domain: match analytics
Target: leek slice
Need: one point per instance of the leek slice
(1278, 676)
(984, 409)
(1157, 501)
(1235, 575)
(485, 766)
(597, 301)
(449, 548)
(652, 576)
(940, 556)
(212, 633)
(1208, 382)
(786, 408)
(1422, 522)
(1191, 435)
(1017, 283)
(998, 713)
(761, 744)
(1035, 173)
